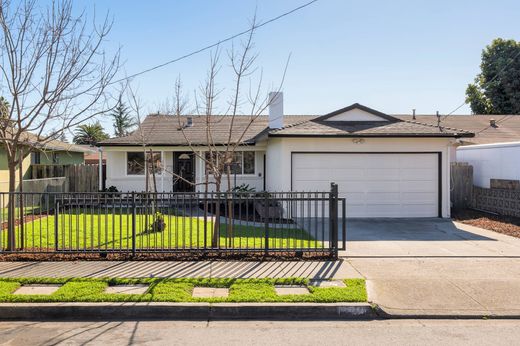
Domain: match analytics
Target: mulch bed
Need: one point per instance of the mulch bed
(508, 225)
(27, 218)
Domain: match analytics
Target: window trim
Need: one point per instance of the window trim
(144, 174)
(242, 164)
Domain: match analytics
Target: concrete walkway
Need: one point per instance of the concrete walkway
(207, 269)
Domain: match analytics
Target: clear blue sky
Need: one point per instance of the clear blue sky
(389, 55)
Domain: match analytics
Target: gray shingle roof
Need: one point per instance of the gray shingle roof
(507, 128)
(166, 130)
(397, 128)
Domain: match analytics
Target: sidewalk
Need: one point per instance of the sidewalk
(206, 269)
(443, 287)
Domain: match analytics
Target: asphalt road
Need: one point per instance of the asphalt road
(385, 332)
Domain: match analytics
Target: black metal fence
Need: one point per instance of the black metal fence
(270, 223)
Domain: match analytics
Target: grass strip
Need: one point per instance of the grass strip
(180, 290)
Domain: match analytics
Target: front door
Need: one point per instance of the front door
(184, 169)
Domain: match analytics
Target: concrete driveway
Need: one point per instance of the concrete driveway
(435, 267)
(424, 238)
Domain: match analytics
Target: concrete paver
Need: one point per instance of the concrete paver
(327, 283)
(127, 289)
(286, 290)
(210, 292)
(37, 289)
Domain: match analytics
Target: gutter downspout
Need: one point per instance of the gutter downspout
(100, 168)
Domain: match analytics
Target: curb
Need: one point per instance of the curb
(388, 314)
(186, 311)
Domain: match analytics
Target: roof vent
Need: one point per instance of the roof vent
(189, 122)
(413, 114)
(492, 122)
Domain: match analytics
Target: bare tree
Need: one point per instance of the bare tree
(219, 156)
(54, 74)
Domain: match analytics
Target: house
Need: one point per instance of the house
(494, 151)
(383, 165)
(52, 152)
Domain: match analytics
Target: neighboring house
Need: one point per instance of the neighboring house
(53, 152)
(384, 166)
(92, 157)
(492, 161)
(494, 152)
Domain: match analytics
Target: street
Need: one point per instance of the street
(381, 332)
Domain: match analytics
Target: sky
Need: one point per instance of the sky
(392, 56)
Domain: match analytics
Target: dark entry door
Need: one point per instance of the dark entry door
(183, 166)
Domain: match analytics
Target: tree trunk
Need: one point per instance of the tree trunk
(11, 207)
(229, 224)
(21, 199)
(216, 225)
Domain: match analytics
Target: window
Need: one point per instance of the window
(243, 162)
(55, 158)
(135, 164)
(36, 158)
(249, 162)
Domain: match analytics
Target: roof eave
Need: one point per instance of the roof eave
(352, 135)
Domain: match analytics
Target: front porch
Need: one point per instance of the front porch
(127, 171)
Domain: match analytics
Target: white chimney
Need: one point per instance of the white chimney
(275, 110)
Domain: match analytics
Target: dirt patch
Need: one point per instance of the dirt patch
(498, 223)
(26, 219)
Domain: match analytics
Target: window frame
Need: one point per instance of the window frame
(55, 158)
(159, 173)
(241, 152)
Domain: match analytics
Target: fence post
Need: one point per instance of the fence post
(56, 224)
(266, 224)
(133, 223)
(333, 219)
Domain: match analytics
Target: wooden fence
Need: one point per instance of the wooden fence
(78, 178)
(503, 197)
(461, 185)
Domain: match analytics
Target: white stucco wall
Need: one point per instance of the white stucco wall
(492, 161)
(278, 170)
(117, 175)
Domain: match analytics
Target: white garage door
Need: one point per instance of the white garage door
(375, 185)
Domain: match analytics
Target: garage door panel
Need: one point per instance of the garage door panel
(382, 174)
(416, 186)
(418, 174)
(418, 161)
(375, 185)
(382, 197)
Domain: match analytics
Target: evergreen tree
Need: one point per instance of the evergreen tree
(123, 121)
(497, 87)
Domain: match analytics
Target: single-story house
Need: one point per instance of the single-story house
(383, 165)
(53, 152)
(494, 151)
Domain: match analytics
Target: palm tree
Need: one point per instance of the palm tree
(89, 134)
(123, 122)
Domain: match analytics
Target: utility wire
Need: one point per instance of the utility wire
(491, 80)
(215, 44)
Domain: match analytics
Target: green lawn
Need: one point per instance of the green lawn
(92, 231)
(26, 210)
(179, 290)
